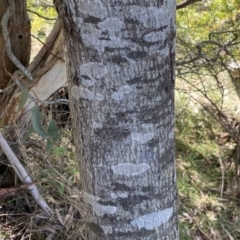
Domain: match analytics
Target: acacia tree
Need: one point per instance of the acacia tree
(120, 68)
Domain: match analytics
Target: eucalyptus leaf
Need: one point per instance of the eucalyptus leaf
(36, 122)
(50, 145)
(23, 99)
(53, 131)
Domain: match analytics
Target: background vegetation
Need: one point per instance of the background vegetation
(207, 134)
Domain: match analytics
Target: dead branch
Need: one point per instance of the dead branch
(186, 3)
(41, 16)
(23, 175)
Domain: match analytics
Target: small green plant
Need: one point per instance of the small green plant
(52, 132)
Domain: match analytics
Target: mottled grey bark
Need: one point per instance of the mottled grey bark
(120, 66)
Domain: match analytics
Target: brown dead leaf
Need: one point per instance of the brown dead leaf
(223, 138)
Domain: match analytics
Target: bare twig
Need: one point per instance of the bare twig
(42, 4)
(7, 88)
(228, 233)
(23, 175)
(41, 16)
(39, 40)
(186, 3)
(237, 163)
(223, 176)
(15, 78)
(203, 233)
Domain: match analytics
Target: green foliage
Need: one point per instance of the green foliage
(59, 151)
(41, 26)
(52, 133)
(36, 118)
(23, 99)
(208, 37)
(197, 21)
(199, 178)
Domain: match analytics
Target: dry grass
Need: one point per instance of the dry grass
(208, 203)
(57, 178)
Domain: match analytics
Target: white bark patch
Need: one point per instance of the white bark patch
(150, 17)
(99, 97)
(93, 70)
(126, 89)
(129, 169)
(111, 24)
(92, 37)
(93, 7)
(154, 37)
(119, 95)
(88, 82)
(119, 194)
(97, 125)
(99, 209)
(153, 220)
(162, 151)
(107, 229)
(171, 134)
(84, 93)
(147, 134)
(142, 137)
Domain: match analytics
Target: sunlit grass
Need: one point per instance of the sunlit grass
(201, 208)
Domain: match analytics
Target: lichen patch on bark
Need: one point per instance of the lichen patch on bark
(142, 137)
(153, 220)
(85, 93)
(98, 208)
(94, 70)
(129, 169)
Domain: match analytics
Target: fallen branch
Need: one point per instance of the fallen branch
(23, 175)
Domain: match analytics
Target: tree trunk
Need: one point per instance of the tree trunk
(19, 34)
(120, 67)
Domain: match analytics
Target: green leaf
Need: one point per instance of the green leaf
(61, 188)
(59, 151)
(36, 117)
(53, 131)
(29, 132)
(50, 145)
(23, 99)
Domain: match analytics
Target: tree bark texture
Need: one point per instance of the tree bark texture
(120, 68)
(19, 34)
